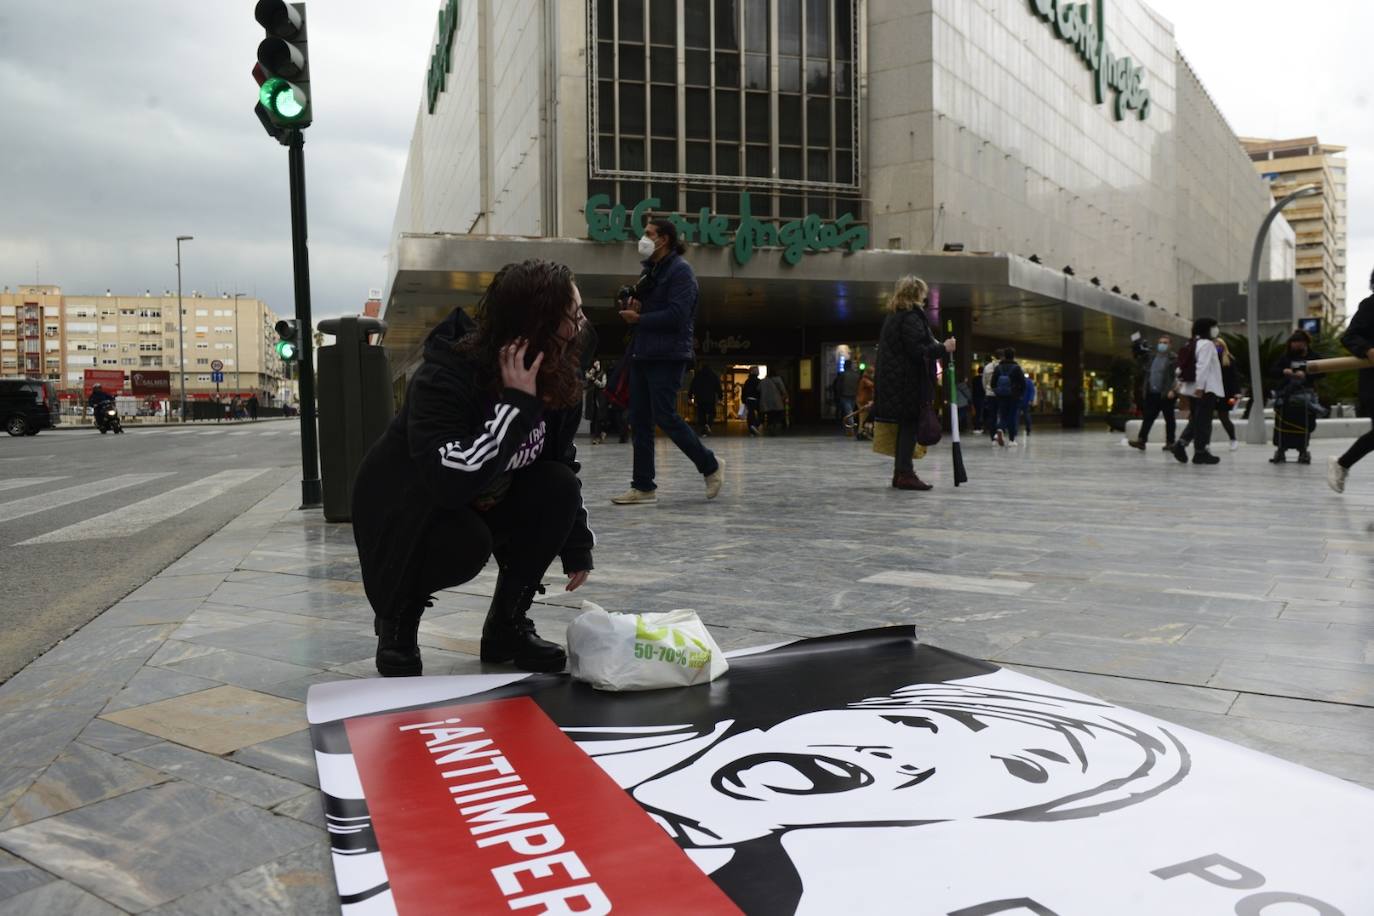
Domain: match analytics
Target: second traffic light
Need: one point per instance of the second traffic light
(289, 346)
(283, 68)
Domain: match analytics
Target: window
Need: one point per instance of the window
(203, 361)
(766, 98)
(202, 313)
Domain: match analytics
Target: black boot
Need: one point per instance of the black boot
(508, 634)
(398, 647)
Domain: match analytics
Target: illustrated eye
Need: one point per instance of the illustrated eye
(1025, 769)
(912, 722)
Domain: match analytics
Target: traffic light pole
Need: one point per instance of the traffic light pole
(311, 494)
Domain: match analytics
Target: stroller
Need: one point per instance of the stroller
(1296, 409)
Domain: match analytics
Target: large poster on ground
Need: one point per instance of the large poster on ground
(860, 773)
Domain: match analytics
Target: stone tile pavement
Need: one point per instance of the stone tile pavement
(157, 761)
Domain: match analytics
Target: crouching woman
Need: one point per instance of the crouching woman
(480, 463)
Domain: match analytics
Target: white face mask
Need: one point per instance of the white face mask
(1215, 332)
(646, 247)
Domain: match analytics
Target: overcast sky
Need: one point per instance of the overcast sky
(126, 125)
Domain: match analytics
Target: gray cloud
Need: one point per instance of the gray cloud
(128, 125)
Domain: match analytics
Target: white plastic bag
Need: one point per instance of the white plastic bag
(642, 651)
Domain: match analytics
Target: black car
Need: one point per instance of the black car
(27, 405)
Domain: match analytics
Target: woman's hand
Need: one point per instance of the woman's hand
(513, 371)
(949, 344)
(577, 580)
(631, 316)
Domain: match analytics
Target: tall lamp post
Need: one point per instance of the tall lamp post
(1254, 429)
(238, 382)
(181, 327)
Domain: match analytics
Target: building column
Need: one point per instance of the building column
(963, 334)
(1071, 348)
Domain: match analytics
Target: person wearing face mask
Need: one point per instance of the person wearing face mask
(1295, 401)
(662, 312)
(1159, 394)
(1204, 389)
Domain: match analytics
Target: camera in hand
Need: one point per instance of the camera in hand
(623, 297)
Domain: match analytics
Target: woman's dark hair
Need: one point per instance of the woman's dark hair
(668, 229)
(1202, 327)
(1300, 336)
(530, 299)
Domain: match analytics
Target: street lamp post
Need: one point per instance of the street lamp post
(238, 358)
(181, 327)
(1254, 429)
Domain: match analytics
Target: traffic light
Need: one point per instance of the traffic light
(289, 346)
(283, 68)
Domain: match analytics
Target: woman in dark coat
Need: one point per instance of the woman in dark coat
(480, 462)
(1295, 402)
(907, 351)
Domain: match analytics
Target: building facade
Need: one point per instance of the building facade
(46, 334)
(1056, 171)
(1319, 223)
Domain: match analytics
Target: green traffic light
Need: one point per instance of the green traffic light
(286, 350)
(280, 98)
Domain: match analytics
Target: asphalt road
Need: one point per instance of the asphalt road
(85, 519)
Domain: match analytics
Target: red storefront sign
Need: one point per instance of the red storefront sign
(489, 807)
(153, 383)
(110, 380)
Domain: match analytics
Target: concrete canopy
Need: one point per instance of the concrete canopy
(1011, 298)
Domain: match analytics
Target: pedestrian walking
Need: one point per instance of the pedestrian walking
(1161, 395)
(773, 400)
(907, 352)
(963, 397)
(663, 312)
(846, 388)
(989, 397)
(705, 390)
(253, 406)
(1230, 382)
(616, 421)
(481, 462)
(594, 385)
(1009, 387)
(1359, 340)
(1027, 402)
(864, 407)
(1295, 402)
(1199, 374)
(749, 394)
(979, 400)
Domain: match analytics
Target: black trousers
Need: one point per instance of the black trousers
(1199, 431)
(1155, 404)
(906, 444)
(1358, 449)
(525, 531)
(705, 414)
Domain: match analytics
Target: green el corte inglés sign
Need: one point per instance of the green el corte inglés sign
(441, 61)
(795, 238)
(1088, 35)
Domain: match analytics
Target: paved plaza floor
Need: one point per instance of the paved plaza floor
(158, 760)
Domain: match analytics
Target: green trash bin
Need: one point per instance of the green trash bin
(355, 406)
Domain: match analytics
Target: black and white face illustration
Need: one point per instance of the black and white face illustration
(926, 753)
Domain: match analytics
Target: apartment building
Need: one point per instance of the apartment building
(46, 334)
(1319, 223)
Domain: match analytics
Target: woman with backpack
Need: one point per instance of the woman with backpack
(1009, 385)
(1199, 375)
(905, 383)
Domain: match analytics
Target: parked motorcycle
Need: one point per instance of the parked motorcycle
(107, 419)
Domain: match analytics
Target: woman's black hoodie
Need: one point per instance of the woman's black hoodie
(450, 444)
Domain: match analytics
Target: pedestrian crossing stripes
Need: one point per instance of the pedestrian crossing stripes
(15, 483)
(135, 517)
(55, 499)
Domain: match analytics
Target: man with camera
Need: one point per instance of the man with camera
(1159, 389)
(662, 310)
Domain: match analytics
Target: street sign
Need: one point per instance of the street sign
(217, 365)
(216, 377)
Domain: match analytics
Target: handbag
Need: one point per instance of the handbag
(885, 440)
(928, 431)
(618, 385)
